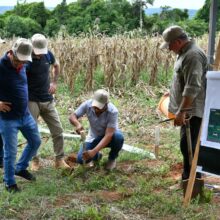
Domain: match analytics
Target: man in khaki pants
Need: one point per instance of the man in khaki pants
(41, 90)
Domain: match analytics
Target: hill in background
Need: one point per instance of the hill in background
(150, 11)
(5, 8)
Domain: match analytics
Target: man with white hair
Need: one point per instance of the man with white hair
(14, 114)
(187, 90)
(41, 90)
(103, 131)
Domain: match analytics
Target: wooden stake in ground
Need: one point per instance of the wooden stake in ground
(189, 142)
(192, 176)
(157, 141)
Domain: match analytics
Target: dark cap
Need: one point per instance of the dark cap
(170, 34)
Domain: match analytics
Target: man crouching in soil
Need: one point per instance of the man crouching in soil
(103, 131)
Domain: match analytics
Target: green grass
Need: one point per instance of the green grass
(138, 189)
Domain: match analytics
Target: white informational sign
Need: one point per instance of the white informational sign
(211, 120)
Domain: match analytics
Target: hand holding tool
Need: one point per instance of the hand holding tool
(83, 139)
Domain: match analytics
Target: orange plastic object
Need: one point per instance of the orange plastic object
(163, 107)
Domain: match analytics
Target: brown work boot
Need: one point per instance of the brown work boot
(60, 163)
(110, 165)
(35, 165)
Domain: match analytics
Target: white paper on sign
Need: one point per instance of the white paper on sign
(212, 102)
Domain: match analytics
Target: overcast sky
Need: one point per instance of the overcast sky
(190, 4)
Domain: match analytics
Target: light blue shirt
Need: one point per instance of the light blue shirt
(98, 124)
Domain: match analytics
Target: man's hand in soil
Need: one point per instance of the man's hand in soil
(87, 155)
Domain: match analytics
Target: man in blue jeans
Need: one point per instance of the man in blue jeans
(14, 114)
(103, 131)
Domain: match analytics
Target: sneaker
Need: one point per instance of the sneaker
(35, 165)
(26, 175)
(60, 163)
(13, 188)
(110, 165)
(90, 164)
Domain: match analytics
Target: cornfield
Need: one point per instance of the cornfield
(122, 60)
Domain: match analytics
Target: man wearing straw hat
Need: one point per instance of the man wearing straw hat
(103, 131)
(188, 87)
(41, 102)
(14, 114)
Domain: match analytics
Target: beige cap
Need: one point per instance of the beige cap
(100, 98)
(170, 34)
(22, 49)
(39, 43)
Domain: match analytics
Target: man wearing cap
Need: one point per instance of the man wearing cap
(14, 114)
(1, 142)
(188, 87)
(103, 131)
(41, 91)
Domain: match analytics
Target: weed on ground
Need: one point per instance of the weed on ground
(139, 188)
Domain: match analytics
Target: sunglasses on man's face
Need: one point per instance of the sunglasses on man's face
(17, 61)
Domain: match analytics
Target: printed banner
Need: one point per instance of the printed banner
(211, 120)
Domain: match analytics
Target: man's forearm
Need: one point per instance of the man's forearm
(104, 142)
(181, 114)
(56, 72)
(73, 120)
(186, 103)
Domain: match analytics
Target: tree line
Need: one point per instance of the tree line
(108, 17)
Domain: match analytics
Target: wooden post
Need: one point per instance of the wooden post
(192, 176)
(212, 29)
(217, 57)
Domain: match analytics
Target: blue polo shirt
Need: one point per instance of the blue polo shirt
(13, 89)
(98, 125)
